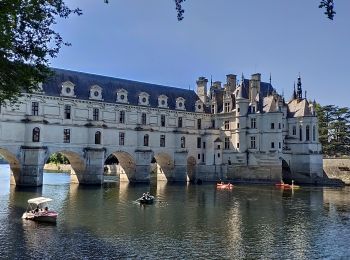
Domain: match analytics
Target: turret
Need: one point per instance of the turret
(202, 89)
(299, 89)
(254, 87)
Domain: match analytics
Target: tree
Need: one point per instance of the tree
(334, 129)
(27, 40)
(327, 5)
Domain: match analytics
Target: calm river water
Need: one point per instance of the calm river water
(187, 221)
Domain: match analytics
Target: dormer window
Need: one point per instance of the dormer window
(96, 92)
(67, 89)
(199, 106)
(163, 101)
(180, 103)
(143, 99)
(122, 96)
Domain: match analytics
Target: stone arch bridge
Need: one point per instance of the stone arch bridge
(88, 163)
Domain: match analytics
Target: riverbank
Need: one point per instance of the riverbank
(51, 167)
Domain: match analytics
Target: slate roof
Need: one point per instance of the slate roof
(83, 82)
(298, 108)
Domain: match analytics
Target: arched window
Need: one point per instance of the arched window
(36, 134)
(98, 137)
(183, 142)
(314, 133)
(145, 140)
(307, 133)
(300, 133)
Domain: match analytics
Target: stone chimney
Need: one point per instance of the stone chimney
(202, 89)
(231, 82)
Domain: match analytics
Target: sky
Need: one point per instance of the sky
(142, 40)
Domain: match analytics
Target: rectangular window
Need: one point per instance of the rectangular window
(272, 145)
(179, 122)
(279, 125)
(121, 138)
(162, 120)
(199, 142)
(95, 114)
(272, 125)
(227, 107)
(213, 109)
(237, 125)
(253, 123)
(227, 125)
(143, 118)
(122, 117)
(203, 158)
(252, 142)
(294, 130)
(238, 109)
(203, 145)
(227, 143)
(162, 140)
(213, 123)
(67, 111)
(35, 108)
(237, 145)
(66, 135)
(279, 145)
(199, 123)
(199, 156)
(253, 109)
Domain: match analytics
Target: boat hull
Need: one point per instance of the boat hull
(49, 217)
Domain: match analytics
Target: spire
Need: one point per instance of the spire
(211, 80)
(270, 78)
(294, 92)
(299, 89)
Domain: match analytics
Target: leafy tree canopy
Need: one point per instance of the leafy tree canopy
(27, 40)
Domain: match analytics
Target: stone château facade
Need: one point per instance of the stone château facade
(242, 132)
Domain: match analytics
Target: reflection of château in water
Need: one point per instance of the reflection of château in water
(140, 131)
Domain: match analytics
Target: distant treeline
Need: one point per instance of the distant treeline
(58, 158)
(334, 129)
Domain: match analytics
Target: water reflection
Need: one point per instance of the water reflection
(186, 221)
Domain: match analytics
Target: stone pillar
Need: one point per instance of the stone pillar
(32, 165)
(94, 166)
(180, 166)
(143, 166)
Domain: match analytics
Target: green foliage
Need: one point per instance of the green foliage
(58, 158)
(334, 129)
(27, 40)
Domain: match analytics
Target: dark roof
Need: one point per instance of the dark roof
(109, 85)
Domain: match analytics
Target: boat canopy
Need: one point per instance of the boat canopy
(39, 200)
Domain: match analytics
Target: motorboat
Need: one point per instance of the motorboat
(222, 185)
(37, 210)
(146, 199)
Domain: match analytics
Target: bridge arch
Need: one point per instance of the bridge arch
(76, 161)
(162, 167)
(121, 164)
(286, 171)
(15, 166)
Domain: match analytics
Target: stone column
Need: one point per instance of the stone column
(94, 166)
(143, 166)
(32, 164)
(180, 166)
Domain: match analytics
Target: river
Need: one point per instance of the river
(186, 221)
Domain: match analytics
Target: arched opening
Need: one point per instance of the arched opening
(191, 169)
(162, 166)
(120, 165)
(65, 162)
(36, 134)
(286, 172)
(98, 137)
(12, 167)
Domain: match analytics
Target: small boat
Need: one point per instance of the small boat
(146, 199)
(283, 185)
(37, 210)
(222, 185)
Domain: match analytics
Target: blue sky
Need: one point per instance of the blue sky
(142, 40)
